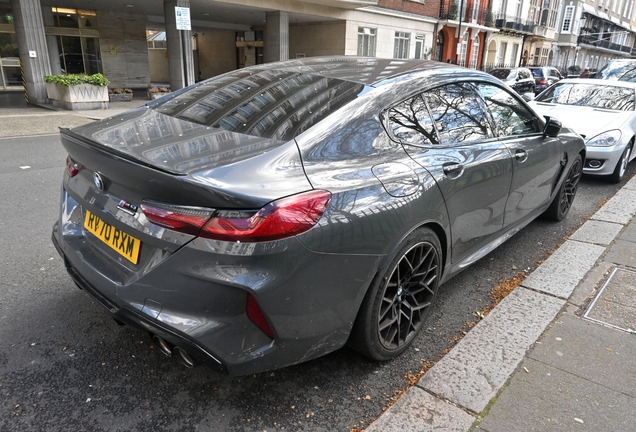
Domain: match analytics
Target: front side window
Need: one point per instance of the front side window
(401, 46)
(511, 117)
(366, 41)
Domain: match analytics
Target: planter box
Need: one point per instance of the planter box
(124, 97)
(77, 97)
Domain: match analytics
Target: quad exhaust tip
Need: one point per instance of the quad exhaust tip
(168, 350)
(183, 357)
(163, 346)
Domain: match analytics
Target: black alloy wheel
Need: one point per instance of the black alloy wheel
(563, 200)
(400, 299)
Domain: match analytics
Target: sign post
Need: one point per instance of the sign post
(182, 15)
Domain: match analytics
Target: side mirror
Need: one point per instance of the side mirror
(528, 97)
(552, 127)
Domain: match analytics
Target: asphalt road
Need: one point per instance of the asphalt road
(66, 365)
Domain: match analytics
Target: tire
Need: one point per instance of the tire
(399, 299)
(563, 200)
(621, 165)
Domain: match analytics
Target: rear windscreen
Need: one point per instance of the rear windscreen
(268, 103)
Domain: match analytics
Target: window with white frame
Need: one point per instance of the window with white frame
(462, 55)
(544, 56)
(475, 10)
(502, 53)
(567, 19)
(366, 41)
(513, 54)
(475, 53)
(401, 45)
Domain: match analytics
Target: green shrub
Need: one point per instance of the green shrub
(74, 79)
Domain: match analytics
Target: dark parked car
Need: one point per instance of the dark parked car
(273, 214)
(520, 79)
(544, 77)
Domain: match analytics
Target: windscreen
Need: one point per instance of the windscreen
(273, 104)
(591, 95)
(618, 70)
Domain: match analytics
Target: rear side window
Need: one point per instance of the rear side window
(447, 115)
(458, 113)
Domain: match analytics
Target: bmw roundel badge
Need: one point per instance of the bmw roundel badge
(98, 180)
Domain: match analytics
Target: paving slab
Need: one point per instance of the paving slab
(419, 411)
(615, 304)
(630, 233)
(564, 269)
(620, 209)
(591, 351)
(478, 366)
(597, 232)
(622, 252)
(550, 399)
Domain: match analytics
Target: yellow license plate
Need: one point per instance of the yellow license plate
(124, 244)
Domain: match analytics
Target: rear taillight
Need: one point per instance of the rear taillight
(188, 220)
(543, 82)
(72, 167)
(279, 219)
(255, 314)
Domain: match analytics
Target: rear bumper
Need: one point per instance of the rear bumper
(130, 317)
(196, 299)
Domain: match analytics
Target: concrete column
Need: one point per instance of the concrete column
(51, 42)
(180, 58)
(276, 36)
(29, 31)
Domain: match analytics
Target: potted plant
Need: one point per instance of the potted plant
(77, 91)
(157, 92)
(120, 95)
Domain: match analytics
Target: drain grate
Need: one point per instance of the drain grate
(615, 304)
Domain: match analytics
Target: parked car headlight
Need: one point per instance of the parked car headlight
(606, 139)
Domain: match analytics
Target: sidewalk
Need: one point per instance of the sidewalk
(34, 121)
(556, 355)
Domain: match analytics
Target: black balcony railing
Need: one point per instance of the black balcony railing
(508, 22)
(449, 10)
(602, 41)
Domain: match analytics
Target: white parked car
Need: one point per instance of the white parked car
(603, 113)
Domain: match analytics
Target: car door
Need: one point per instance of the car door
(446, 130)
(536, 159)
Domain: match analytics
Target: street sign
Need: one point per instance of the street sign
(183, 18)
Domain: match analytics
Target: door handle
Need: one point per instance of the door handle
(453, 169)
(521, 155)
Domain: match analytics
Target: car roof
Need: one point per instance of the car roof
(364, 70)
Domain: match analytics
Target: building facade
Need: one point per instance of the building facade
(136, 43)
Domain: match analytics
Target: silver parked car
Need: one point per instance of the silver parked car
(275, 213)
(603, 112)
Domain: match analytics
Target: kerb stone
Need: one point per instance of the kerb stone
(565, 268)
(479, 365)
